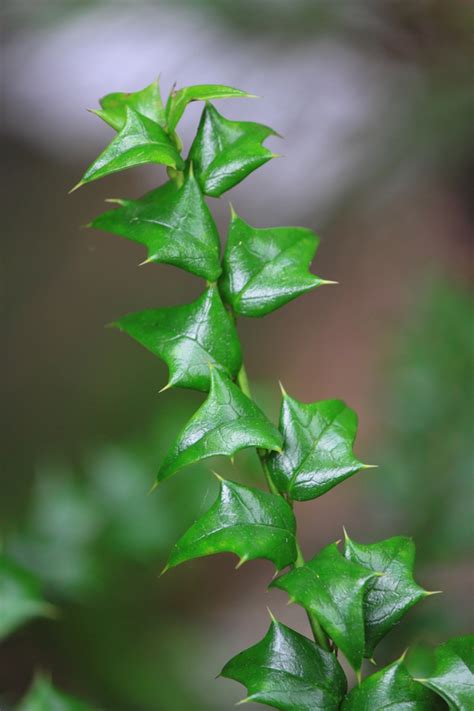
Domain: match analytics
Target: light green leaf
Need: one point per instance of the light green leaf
(44, 697)
(390, 596)
(332, 588)
(189, 338)
(317, 452)
(245, 521)
(140, 141)
(179, 99)
(20, 597)
(224, 152)
(453, 674)
(174, 224)
(287, 671)
(390, 688)
(226, 423)
(266, 268)
(146, 102)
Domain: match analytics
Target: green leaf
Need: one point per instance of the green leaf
(140, 141)
(390, 688)
(20, 597)
(266, 268)
(317, 452)
(332, 588)
(224, 152)
(178, 100)
(174, 224)
(226, 423)
(288, 671)
(189, 338)
(245, 521)
(453, 674)
(390, 596)
(146, 102)
(44, 697)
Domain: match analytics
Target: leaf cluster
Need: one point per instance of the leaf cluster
(353, 595)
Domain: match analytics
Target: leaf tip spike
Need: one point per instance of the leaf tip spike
(243, 560)
(165, 387)
(346, 535)
(76, 187)
(155, 486)
(272, 616)
(282, 389)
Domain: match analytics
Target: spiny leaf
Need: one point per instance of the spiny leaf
(245, 521)
(390, 596)
(189, 338)
(224, 152)
(139, 141)
(178, 100)
(227, 422)
(332, 588)
(20, 597)
(42, 696)
(390, 688)
(146, 102)
(174, 224)
(266, 268)
(453, 674)
(317, 452)
(288, 671)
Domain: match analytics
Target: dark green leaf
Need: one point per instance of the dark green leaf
(390, 688)
(178, 100)
(20, 597)
(44, 697)
(146, 102)
(287, 671)
(453, 674)
(189, 338)
(225, 152)
(245, 521)
(174, 224)
(332, 588)
(227, 422)
(390, 596)
(317, 452)
(266, 268)
(140, 141)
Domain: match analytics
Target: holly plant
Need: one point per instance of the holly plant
(353, 593)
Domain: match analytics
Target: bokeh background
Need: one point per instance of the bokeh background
(375, 103)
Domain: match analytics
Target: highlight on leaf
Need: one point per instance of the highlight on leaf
(317, 453)
(288, 671)
(266, 268)
(146, 102)
(224, 152)
(245, 521)
(189, 338)
(227, 422)
(174, 224)
(332, 588)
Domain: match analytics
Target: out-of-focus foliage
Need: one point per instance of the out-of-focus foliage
(429, 435)
(20, 597)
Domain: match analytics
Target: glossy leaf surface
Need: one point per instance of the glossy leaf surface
(44, 697)
(20, 597)
(266, 268)
(146, 102)
(390, 688)
(317, 452)
(245, 521)
(178, 100)
(226, 423)
(332, 588)
(189, 338)
(224, 152)
(175, 225)
(288, 671)
(390, 596)
(453, 673)
(139, 141)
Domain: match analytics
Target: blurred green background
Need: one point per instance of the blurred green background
(375, 101)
